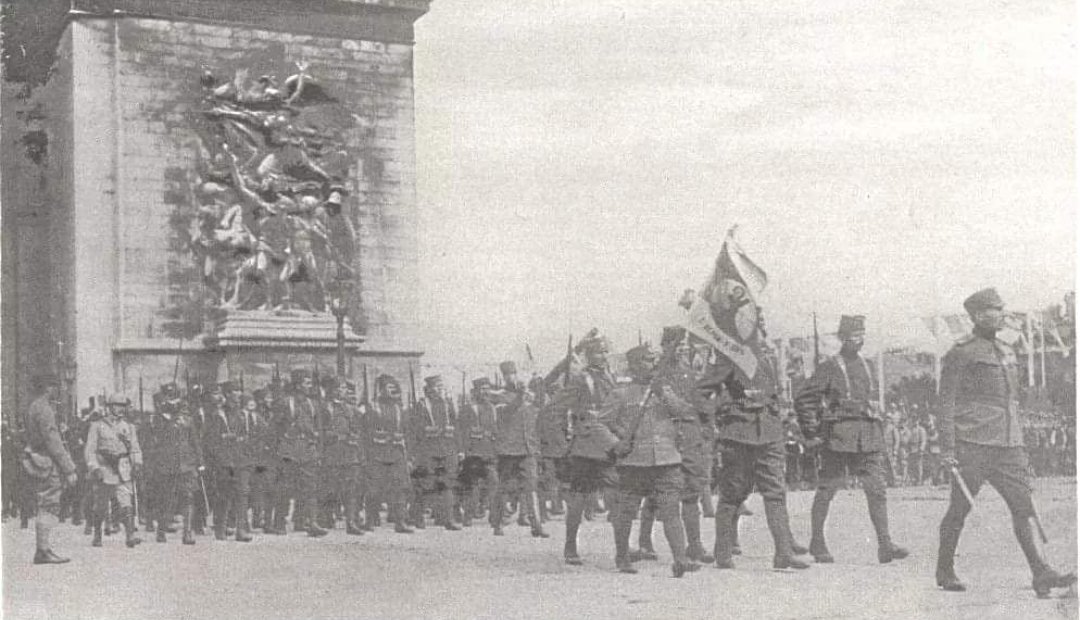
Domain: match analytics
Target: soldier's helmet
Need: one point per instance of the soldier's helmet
(169, 391)
(117, 400)
(387, 388)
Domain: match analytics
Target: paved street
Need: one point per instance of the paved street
(471, 574)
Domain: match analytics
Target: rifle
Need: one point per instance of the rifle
(241, 381)
(569, 356)
(412, 387)
(141, 410)
(176, 366)
(367, 394)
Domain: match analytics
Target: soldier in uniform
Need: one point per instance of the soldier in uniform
(342, 457)
(837, 406)
(435, 454)
(47, 463)
(751, 432)
(222, 443)
(980, 436)
(298, 422)
(179, 463)
(388, 464)
(267, 464)
(678, 372)
(112, 456)
(645, 415)
(590, 467)
(517, 446)
(477, 428)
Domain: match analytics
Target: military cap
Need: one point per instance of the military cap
(299, 374)
(117, 400)
(639, 353)
(433, 380)
(169, 391)
(482, 382)
(672, 334)
(508, 367)
(851, 325)
(982, 300)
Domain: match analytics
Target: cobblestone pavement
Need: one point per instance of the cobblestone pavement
(471, 574)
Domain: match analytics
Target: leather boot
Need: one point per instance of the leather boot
(725, 522)
(692, 523)
(621, 527)
(645, 550)
(130, 538)
(495, 513)
(43, 526)
(776, 516)
(160, 534)
(819, 511)
(1043, 578)
(98, 523)
(531, 508)
(243, 529)
(676, 538)
(948, 538)
(879, 517)
(707, 509)
(736, 549)
(189, 517)
(575, 509)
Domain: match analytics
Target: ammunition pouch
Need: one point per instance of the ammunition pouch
(37, 466)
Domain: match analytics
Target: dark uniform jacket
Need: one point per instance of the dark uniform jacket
(554, 429)
(583, 396)
(433, 431)
(299, 420)
(837, 404)
(385, 426)
(341, 446)
(748, 414)
(651, 430)
(476, 429)
(177, 446)
(43, 435)
(978, 395)
(517, 434)
(264, 437)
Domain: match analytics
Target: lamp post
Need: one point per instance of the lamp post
(340, 291)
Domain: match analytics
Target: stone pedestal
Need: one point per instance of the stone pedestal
(111, 164)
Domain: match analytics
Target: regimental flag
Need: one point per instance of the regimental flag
(725, 312)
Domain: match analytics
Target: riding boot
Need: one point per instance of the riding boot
(819, 511)
(879, 517)
(707, 509)
(1043, 577)
(189, 514)
(130, 538)
(622, 527)
(949, 537)
(776, 516)
(676, 538)
(645, 527)
(725, 535)
(530, 504)
(446, 510)
(98, 520)
(575, 509)
(691, 517)
(736, 549)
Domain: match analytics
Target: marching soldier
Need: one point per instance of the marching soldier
(222, 443)
(517, 446)
(554, 446)
(48, 465)
(267, 464)
(981, 438)
(678, 372)
(179, 464)
(590, 468)
(388, 463)
(477, 428)
(342, 457)
(298, 422)
(751, 432)
(112, 456)
(645, 417)
(838, 407)
(435, 454)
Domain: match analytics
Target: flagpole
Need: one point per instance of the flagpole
(881, 378)
(817, 349)
(1030, 350)
(1042, 342)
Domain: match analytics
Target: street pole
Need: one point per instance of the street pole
(340, 315)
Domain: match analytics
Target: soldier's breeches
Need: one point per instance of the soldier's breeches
(1005, 469)
(662, 485)
(747, 467)
(122, 493)
(517, 474)
(868, 466)
(48, 492)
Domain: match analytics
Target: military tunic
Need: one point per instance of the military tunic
(50, 459)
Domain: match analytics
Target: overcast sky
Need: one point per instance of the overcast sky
(579, 162)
